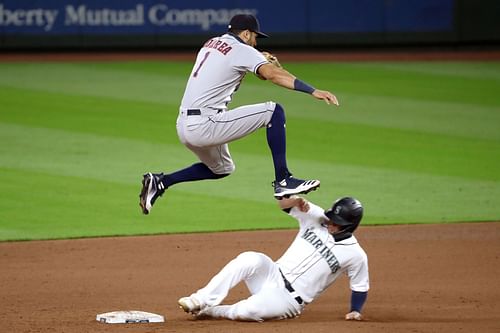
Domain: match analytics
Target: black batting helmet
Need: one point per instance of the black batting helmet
(346, 212)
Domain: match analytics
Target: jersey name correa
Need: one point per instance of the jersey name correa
(218, 45)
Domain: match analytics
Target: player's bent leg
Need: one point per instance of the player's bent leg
(216, 158)
(264, 272)
(256, 269)
(276, 140)
(243, 311)
(231, 125)
(154, 185)
(284, 185)
(271, 303)
(197, 171)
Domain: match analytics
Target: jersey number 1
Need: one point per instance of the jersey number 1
(201, 64)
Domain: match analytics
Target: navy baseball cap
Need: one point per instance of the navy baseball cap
(246, 22)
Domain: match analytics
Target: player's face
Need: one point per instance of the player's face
(253, 39)
(249, 37)
(332, 228)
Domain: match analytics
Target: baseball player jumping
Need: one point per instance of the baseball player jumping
(206, 126)
(323, 249)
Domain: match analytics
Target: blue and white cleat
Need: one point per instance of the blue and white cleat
(292, 186)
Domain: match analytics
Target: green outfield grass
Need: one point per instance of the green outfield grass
(415, 142)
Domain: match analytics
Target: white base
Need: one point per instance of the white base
(129, 317)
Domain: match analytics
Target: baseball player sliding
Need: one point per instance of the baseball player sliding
(206, 126)
(323, 249)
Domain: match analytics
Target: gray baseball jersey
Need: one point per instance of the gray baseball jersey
(312, 263)
(205, 125)
(220, 66)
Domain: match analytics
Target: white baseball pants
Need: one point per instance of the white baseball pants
(270, 299)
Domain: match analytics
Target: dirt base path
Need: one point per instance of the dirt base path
(424, 278)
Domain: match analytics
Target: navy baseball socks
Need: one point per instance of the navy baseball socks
(284, 185)
(155, 184)
(276, 139)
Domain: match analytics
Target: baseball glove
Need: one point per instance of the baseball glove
(272, 59)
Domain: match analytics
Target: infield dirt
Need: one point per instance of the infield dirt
(424, 278)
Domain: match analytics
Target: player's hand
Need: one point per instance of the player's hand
(294, 201)
(326, 96)
(353, 315)
(303, 205)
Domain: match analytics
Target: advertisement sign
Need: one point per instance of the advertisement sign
(60, 17)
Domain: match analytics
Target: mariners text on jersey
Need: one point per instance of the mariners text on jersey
(325, 252)
(218, 45)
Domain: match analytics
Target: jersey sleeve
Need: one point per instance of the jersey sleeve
(358, 274)
(314, 216)
(248, 59)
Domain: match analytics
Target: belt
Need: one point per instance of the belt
(197, 112)
(289, 287)
(193, 112)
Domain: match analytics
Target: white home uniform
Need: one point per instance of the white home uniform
(310, 265)
(205, 125)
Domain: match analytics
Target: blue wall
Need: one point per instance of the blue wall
(177, 16)
(168, 23)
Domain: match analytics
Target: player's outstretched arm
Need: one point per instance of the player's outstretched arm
(283, 78)
(294, 201)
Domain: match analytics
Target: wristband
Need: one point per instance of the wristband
(300, 85)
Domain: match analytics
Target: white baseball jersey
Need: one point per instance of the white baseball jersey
(312, 262)
(220, 66)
